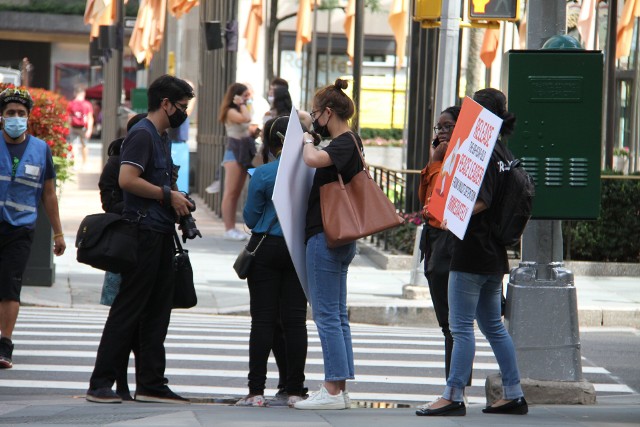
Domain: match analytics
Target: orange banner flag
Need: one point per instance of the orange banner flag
(398, 24)
(180, 7)
(303, 27)
(490, 46)
(587, 23)
(99, 12)
(252, 31)
(349, 26)
(625, 27)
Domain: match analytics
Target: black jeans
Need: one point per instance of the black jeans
(144, 304)
(276, 294)
(439, 249)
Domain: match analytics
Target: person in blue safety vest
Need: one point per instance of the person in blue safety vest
(27, 177)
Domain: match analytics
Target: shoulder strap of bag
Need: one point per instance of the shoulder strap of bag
(176, 239)
(273, 222)
(364, 164)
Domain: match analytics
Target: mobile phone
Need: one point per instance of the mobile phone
(435, 143)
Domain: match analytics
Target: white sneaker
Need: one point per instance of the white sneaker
(322, 400)
(213, 188)
(293, 399)
(236, 235)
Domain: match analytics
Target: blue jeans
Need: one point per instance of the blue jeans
(327, 281)
(478, 296)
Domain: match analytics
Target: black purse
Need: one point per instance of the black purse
(242, 265)
(107, 242)
(184, 292)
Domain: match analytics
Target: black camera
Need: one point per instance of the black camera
(188, 223)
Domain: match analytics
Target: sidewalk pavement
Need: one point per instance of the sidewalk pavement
(48, 411)
(375, 295)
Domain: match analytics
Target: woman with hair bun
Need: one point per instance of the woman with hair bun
(478, 265)
(327, 267)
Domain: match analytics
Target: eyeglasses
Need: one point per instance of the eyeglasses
(183, 107)
(443, 128)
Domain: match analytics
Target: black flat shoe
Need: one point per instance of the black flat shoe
(453, 409)
(514, 407)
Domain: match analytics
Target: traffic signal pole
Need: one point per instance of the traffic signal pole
(446, 82)
(541, 312)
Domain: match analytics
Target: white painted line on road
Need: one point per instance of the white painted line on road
(311, 349)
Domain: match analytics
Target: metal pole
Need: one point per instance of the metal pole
(112, 88)
(313, 67)
(541, 312)
(610, 78)
(329, 47)
(448, 55)
(358, 49)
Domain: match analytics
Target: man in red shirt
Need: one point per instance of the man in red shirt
(81, 120)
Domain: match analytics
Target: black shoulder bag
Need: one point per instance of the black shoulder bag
(184, 291)
(108, 242)
(245, 258)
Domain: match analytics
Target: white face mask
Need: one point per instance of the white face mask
(270, 99)
(15, 126)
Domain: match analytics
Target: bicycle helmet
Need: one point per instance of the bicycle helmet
(13, 94)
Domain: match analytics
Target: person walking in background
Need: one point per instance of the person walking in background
(241, 147)
(27, 177)
(478, 266)
(145, 299)
(276, 295)
(80, 120)
(179, 147)
(326, 267)
(437, 244)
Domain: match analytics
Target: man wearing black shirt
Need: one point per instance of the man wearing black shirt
(145, 299)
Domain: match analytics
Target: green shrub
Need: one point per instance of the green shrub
(372, 133)
(615, 235)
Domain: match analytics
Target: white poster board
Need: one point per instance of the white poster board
(291, 195)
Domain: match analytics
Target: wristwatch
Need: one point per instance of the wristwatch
(308, 141)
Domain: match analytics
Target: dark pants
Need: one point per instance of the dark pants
(143, 304)
(439, 249)
(276, 295)
(15, 248)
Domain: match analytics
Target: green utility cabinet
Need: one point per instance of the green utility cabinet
(556, 96)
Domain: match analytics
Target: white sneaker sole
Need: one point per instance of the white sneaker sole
(317, 407)
(156, 399)
(102, 400)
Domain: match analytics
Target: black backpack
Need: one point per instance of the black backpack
(515, 202)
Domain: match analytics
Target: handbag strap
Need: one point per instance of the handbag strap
(273, 222)
(364, 164)
(176, 239)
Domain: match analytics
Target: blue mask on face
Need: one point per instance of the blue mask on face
(15, 126)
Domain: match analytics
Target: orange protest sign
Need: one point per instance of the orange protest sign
(464, 165)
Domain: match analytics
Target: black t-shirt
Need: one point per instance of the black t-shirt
(16, 151)
(479, 252)
(346, 161)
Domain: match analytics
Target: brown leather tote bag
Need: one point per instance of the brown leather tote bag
(357, 209)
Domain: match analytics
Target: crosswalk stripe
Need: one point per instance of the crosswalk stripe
(217, 346)
(223, 341)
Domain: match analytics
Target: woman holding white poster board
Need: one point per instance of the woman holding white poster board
(478, 265)
(327, 267)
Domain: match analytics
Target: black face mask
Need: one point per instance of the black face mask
(177, 118)
(323, 131)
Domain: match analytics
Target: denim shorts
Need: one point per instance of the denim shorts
(228, 157)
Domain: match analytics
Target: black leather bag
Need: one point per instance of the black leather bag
(107, 242)
(242, 265)
(184, 292)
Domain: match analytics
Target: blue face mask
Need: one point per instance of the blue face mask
(15, 126)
